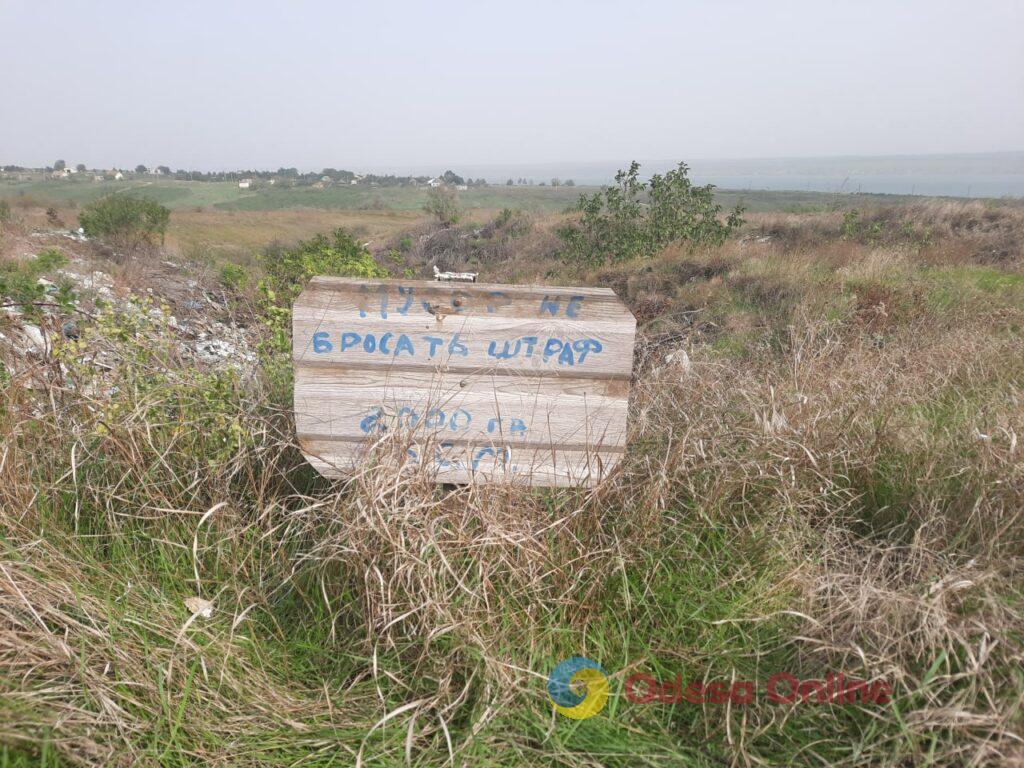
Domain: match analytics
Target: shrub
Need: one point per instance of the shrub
(289, 269)
(507, 225)
(126, 222)
(234, 277)
(443, 203)
(340, 254)
(887, 226)
(504, 217)
(19, 282)
(619, 224)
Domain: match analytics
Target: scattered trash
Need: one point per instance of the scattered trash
(681, 359)
(69, 330)
(78, 235)
(199, 607)
(180, 311)
(35, 339)
(214, 350)
(455, 277)
(97, 281)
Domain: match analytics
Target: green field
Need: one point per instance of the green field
(227, 196)
(224, 195)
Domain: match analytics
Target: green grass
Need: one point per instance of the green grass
(227, 196)
(173, 194)
(43, 756)
(950, 287)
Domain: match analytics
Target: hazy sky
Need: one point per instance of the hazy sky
(367, 85)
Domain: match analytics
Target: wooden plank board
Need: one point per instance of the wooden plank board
(421, 298)
(464, 464)
(342, 403)
(481, 382)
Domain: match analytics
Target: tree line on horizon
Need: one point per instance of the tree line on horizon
(292, 176)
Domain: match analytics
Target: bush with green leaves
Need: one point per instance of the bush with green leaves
(124, 221)
(20, 286)
(633, 219)
(338, 254)
(884, 227)
(443, 204)
(287, 270)
(234, 277)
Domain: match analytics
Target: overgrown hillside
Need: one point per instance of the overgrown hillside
(825, 476)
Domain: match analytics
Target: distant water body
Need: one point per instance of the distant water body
(939, 185)
(991, 174)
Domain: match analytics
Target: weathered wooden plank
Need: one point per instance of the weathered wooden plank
(387, 298)
(450, 379)
(604, 347)
(361, 403)
(464, 464)
(516, 380)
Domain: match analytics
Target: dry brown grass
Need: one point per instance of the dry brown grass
(904, 525)
(193, 230)
(829, 480)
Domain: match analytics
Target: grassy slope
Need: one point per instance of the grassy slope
(833, 482)
(227, 196)
(240, 235)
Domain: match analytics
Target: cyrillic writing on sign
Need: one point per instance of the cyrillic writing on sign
(481, 383)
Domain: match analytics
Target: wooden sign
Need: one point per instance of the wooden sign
(475, 382)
